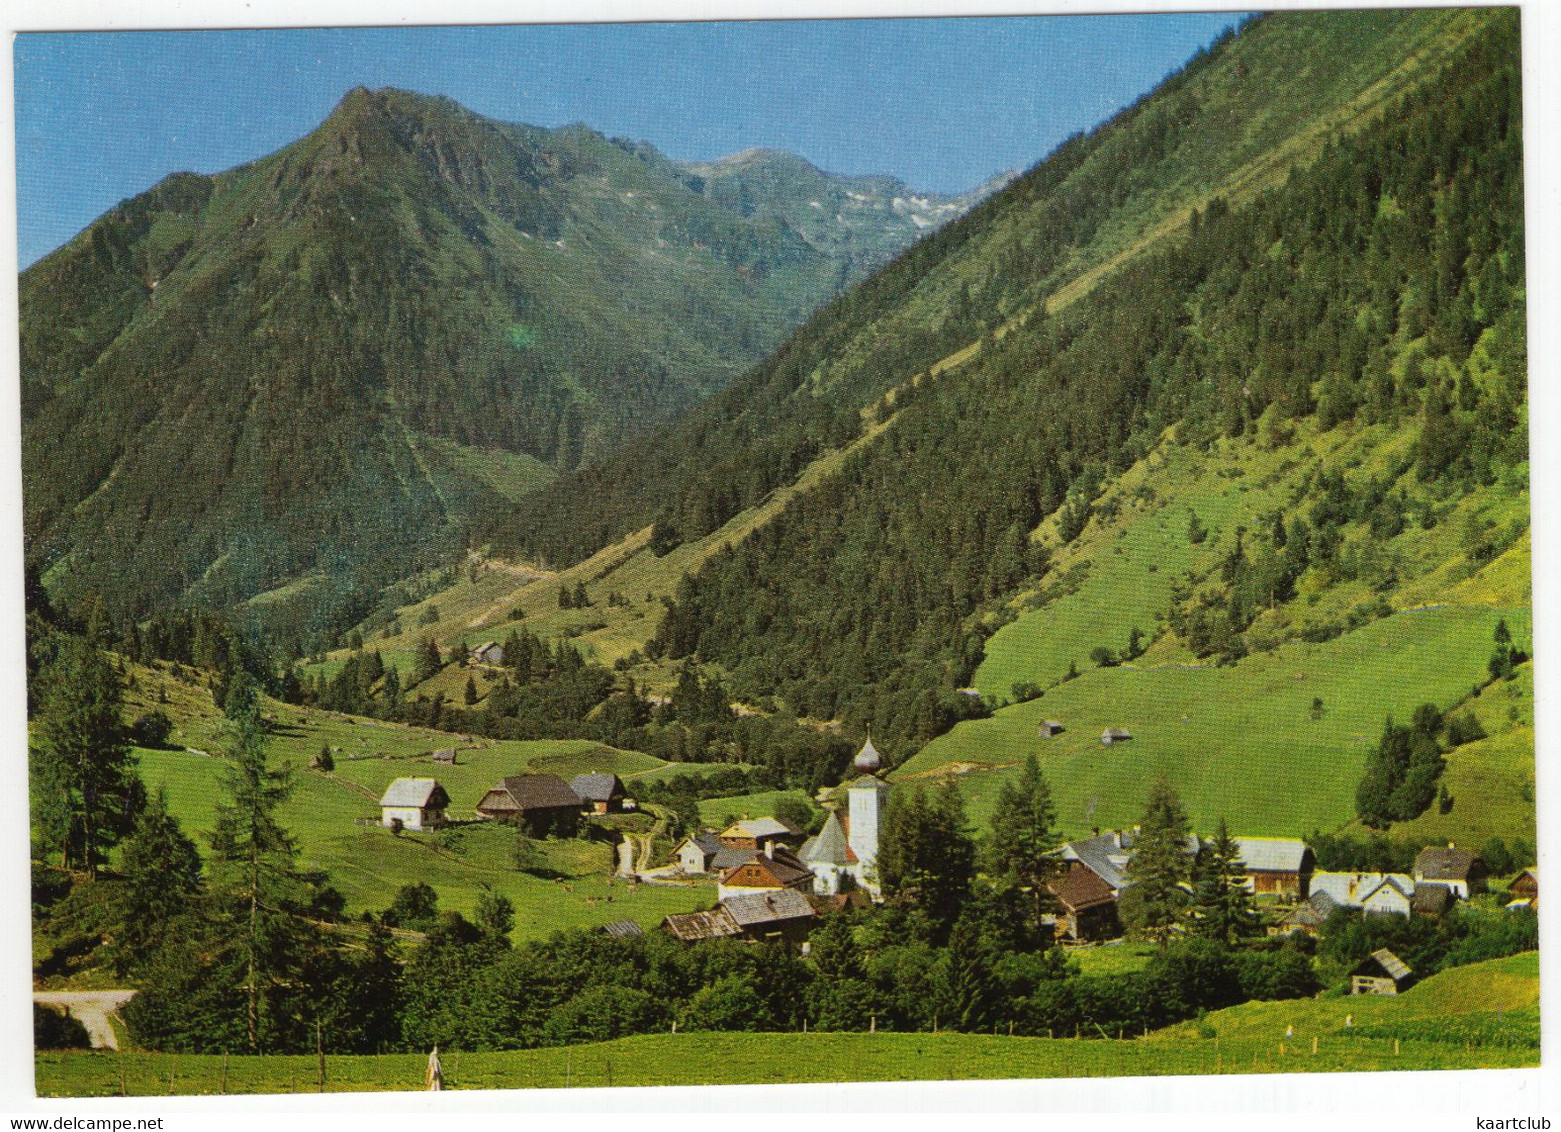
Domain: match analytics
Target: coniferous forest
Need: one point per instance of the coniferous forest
(1165, 502)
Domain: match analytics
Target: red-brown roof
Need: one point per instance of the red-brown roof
(1081, 888)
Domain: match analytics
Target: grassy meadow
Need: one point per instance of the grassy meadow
(369, 863)
(1240, 741)
(1481, 1016)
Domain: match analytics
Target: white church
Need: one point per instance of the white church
(849, 848)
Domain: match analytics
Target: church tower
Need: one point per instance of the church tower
(867, 797)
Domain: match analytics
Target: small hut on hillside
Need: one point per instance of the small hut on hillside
(1381, 972)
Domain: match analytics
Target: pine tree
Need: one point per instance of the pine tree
(162, 872)
(470, 694)
(82, 752)
(926, 857)
(1222, 906)
(1022, 831)
(252, 857)
(1156, 899)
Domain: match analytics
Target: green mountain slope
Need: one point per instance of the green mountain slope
(1380, 287)
(324, 359)
(1233, 123)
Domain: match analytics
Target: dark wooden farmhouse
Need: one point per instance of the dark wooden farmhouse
(775, 868)
(1462, 870)
(542, 803)
(1087, 903)
(602, 793)
(1381, 972)
(783, 914)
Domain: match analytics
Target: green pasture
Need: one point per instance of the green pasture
(1481, 1016)
(1238, 742)
(715, 811)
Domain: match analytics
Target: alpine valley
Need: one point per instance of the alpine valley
(1111, 552)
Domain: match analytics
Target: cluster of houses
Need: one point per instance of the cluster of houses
(539, 802)
(768, 889)
(772, 882)
(1097, 871)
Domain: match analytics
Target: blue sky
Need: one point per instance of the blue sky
(940, 103)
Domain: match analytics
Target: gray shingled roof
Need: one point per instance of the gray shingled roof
(761, 827)
(1395, 967)
(415, 793)
(757, 908)
(595, 787)
(691, 926)
(623, 929)
(725, 857)
(829, 847)
(1272, 854)
(1107, 854)
(1445, 863)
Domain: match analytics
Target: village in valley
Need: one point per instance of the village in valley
(774, 880)
(631, 621)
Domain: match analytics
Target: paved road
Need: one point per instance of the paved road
(91, 1009)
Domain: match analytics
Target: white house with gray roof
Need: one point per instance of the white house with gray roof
(416, 803)
(1370, 892)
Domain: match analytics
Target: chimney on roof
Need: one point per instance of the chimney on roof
(769, 849)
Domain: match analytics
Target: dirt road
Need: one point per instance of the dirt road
(90, 1008)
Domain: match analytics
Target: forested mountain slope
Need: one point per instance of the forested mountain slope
(1380, 286)
(1233, 122)
(336, 357)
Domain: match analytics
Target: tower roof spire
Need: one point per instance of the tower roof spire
(868, 760)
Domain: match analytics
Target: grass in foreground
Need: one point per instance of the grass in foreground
(1481, 1016)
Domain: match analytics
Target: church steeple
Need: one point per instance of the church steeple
(868, 760)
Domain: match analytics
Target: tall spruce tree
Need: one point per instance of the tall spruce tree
(162, 871)
(1222, 907)
(1022, 830)
(927, 858)
(1156, 899)
(253, 856)
(83, 757)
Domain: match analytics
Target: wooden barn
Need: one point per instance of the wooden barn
(1381, 972)
(1049, 729)
(1087, 903)
(1524, 890)
(542, 803)
(1277, 866)
(691, 927)
(1112, 735)
(416, 803)
(602, 793)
